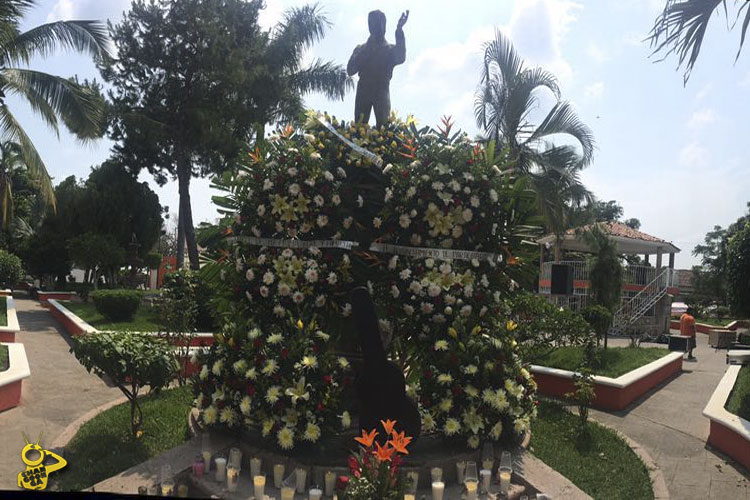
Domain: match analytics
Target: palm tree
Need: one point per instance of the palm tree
(680, 28)
(53, 98)
(10, 160)
(288, 80)
(507, 94)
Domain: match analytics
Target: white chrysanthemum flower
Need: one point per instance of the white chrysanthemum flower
(273, 394)
(493, 195)
(274, 338)
(218, 365)
(294, 189)
(408, 309)
(267, 184)
(404, 221)
(320, 301)
(496, 430)
(298, 297)
(395, 291)
(472, 420)
(426, 307)
(415, 287)
(473, 442)
(270, 367)
(239, 265)
(348, 222)
(457, 231)
(249, 275)
(210, 415)
(332, 278)
(405, 274)
(291, 171)
(470, 369)
(228, 416)
(411, 192)
(388, 192)
(393, 262)
(312, 433)
(336, 200)
(377, 222)
(445, 405)
(483, 311)
(310, 362)
(285, 438)
(315, 156)
(203, 375)
(429, 263)
(263, 291)
(520, 425)
(284, 289)
(266, 427)
(322, 335)
(445, 268)
(322, 220)
(251, 374)
(445, 379)
(441, 345)
(268, 278)
(474, 201)
(360, 201)
(471, 391)
(343, 362)
(428, 422)
(318, 200)
(433, 290)
(328, 176)
(452, 426)
(346, 420)
(467, 214)
(239, 366)
(415, 239)
(341, 172)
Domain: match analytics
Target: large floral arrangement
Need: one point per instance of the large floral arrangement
(302, 212)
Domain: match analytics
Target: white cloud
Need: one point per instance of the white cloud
(594, 91)
(745, 82)
(62, 10)
(703, 92)
(701, 118)
(87, 9)
(597, 53)
(693, 156)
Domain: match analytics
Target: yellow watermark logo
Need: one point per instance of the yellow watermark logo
(36, 474)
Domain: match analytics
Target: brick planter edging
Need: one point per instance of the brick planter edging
(611, 393)
(45, 297)
(728, 433)
(11, 380)
(8, 332)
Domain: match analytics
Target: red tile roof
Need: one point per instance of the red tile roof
(619, 229)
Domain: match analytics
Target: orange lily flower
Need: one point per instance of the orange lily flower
(384, 453)
(366, 439)
(388, 426)
(399, 442)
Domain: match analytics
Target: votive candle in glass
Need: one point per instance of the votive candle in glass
(287, 493)
(182, 491)
(235, 458)
(488, 463)
(412, 481)
(199, 467)
(278, 475)
(315, 494)
(485, 475)
(438, 488)
(460, 469)
(409, 496)
(233, 477)
(206, 460)
(301, 479)
(471, 489)
(330, 483)
(436, 473)
(259, 486)
(255, 464)
(221, 469)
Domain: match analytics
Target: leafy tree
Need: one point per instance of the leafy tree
(605, 270)
(607, 211)
(506, 95)
(131, 360)
(680, 28)
(78, 105)
(738, 272)
(98, 255)
(11, 269)
(633, 223)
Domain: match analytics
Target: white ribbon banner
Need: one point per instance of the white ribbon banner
(420, 252)
(378, 161)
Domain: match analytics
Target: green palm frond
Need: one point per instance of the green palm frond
(80, 108)
(299, 29)
(325, 77)
(562, 119)
(88, 37)
(11, 130)
(680, 29)
(501, 54)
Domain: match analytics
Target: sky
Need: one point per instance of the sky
(672, 155)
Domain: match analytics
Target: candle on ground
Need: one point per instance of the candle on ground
(330, 480)
(221, 468)
(438, 488)
(255, 463)
(259, 486)
(278, 475)
(301, 479)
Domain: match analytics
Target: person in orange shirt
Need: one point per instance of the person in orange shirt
(687, 329)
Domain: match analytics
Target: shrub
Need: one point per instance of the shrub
(599, 318)
(744, 338)
(745, 407)
(188, 291)
(131, 360)
(738, 272)
(117, 305)
(11, 269)
(152, 260)
(722, 312)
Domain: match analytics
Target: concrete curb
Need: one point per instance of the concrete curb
(658, 484)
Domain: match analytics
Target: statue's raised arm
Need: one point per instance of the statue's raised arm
(399, 50)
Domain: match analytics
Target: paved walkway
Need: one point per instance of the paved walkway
(670, 425)
(58, 392)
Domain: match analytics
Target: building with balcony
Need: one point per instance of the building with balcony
(647, 290)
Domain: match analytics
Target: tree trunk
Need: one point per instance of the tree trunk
(184, 171)
(180, 238)
(260, 133)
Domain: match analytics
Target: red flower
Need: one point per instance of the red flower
(284, 353)
(250, 390)
(342, 482)
(428, 374)
(327, 379)
(257, 343)
(353, 466)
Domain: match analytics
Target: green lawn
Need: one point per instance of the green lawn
(3, 312)
(603, 466)
(145, 320)
(612, 362)
(104, 445)
(3, 357)
(713, 321)
(740, 391)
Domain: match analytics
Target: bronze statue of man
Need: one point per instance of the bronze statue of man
(374, 61)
